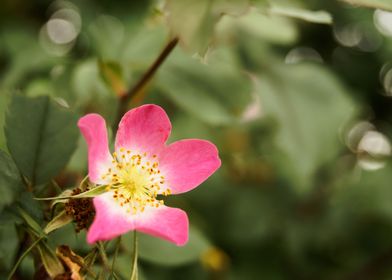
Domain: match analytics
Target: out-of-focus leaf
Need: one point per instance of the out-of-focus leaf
(271, 28)
(216, 93)
(92, 92)
(8, 245)
(4, 101)
(165, 253)
(107, 36)
(40, 87)
(111, 72)
(307, 15)
(41, 136)
(57, 222)
(73, 261)
(33, 207)
(194, 21)
(51, 263)
(123, 267)
(24, 60)
(78, 161)
(67, 235)
(10, 181)
(376, 4)
(310, 105)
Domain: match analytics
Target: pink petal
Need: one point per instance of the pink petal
(144, 129)
(187, 163)
(112, 220)
(93, 128)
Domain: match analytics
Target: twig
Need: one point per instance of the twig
(145, 78)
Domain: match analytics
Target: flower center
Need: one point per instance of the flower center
(135, 180)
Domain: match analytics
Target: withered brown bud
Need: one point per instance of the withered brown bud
(81, 209)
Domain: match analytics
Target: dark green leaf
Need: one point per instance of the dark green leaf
(309, 112)
(4, 101)
(8, 245)
(41, 136)
(10, 181)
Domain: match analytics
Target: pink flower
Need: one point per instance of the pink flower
(141, 168)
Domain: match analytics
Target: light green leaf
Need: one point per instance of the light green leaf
(309, 105)
(10, 181)
(376, 4)
(41, 136)
(65, 195)
(57, 222)
(194, 21)
(271, 28)
(51, 263)
(91, 90)
(162, 252)
(307, 15)
(216, 93)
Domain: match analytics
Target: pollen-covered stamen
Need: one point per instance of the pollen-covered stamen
(135, 180)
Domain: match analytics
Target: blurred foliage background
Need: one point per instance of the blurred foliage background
(295, 94)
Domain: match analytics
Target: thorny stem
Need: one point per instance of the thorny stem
(134, 274)
(145, 78)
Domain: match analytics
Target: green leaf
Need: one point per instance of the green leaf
(123, 267)
(4, 102)
(10, 181)
(194, 21)
(309, 113)
(57, 222)
(219, 88)
(90, 193)
(271, 28)
(307, 15)
(162, 252)
(376, 4)
(36, 228)
(8, 245)
(51, 263)
(41, 136)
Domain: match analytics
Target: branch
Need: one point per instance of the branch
(145, 78)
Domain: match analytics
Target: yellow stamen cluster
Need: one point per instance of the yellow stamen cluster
(135, 180)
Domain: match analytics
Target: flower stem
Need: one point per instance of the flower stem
(104, 257)
(145, 78)
(134, 275)
(118, 242)
(23, 256)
